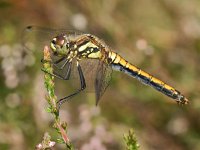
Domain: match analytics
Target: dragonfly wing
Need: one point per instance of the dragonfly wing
(102, 81)
(89, 68)
(34, 38)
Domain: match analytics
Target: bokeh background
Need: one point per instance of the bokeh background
(160, 36)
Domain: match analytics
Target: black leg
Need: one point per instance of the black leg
(83, 86)
(58, 61)
(66, 76)
(66, 62)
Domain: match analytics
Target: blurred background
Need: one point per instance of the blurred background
(160, 36)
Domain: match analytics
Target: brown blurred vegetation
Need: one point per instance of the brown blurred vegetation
(159, 36)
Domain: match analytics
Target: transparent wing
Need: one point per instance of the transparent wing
(97, 76)
(89, 68)
(103, 77)
(34, 38)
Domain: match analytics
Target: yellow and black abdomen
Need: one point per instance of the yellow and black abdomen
(120, 64)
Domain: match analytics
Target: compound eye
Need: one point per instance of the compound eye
(60, 40)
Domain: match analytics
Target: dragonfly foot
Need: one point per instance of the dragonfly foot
(59, 103)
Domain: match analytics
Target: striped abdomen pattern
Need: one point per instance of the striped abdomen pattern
(120, 64)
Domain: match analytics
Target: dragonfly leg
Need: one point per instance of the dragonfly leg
(83, 86)
(66, 62)
(58, 61)
(66, 76)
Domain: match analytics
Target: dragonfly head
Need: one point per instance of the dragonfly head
(60, 45)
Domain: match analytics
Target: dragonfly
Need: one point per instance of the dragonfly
(73, 47)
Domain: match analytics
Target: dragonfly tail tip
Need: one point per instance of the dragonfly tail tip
(183, 101)
(186, 101)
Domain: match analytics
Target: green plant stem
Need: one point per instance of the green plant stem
(52, 99)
